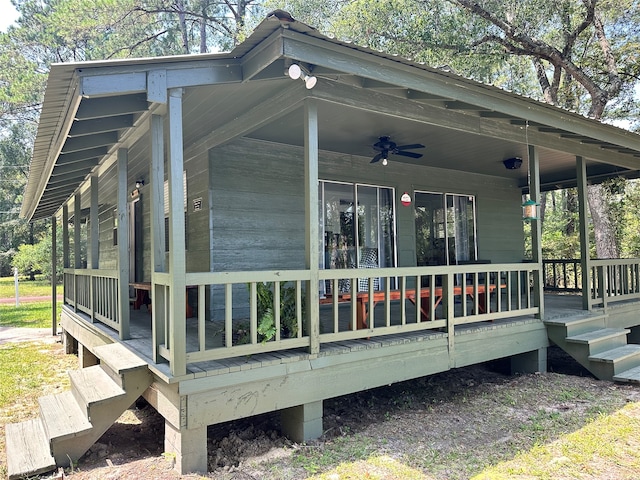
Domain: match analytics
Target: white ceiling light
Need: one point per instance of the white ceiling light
(295, 71)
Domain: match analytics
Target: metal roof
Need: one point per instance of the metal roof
(64, 154)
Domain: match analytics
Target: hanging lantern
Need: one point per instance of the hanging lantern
(530, 210)
(405, 199)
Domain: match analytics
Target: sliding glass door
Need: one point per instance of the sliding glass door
(357, 228)
(445, 228)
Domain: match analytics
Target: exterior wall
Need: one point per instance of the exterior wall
(258, 204)
(252, 206)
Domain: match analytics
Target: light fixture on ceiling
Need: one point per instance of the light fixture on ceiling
(139, 183)
(295, 71)
(385, 160)
(512, 163)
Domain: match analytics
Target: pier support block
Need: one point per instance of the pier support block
(530, 362)
(303, 422)
(188, 446)
(86, 358)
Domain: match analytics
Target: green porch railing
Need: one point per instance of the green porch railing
(95, 293)
(610, 280)
(562, 275)
(614, 280)
(245, 313)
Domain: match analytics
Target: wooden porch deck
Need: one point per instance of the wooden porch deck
(556, 306)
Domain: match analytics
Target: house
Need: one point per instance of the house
(300, 219)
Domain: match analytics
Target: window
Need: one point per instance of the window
(357, 228)
(445, 228)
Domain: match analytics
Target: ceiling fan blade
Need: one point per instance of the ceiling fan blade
(409, 154)
(377, 158)
(409, 147)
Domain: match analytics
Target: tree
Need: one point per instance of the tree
(568, 45)
(578, 54)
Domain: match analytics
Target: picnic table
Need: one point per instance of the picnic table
(362, 299)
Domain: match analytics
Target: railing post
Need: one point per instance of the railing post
(448, 308)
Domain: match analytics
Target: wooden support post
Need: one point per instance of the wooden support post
(77, 239)
(312, 222)
(66, 263)
(86, 358)
(530, 362)
(583, 215)
(177, 257)
(54, 277)
(158, 262)
(123, 243)
(77, 259)
(94, 225)
(536, 231)
(188, 446)
(303, 422)
(94, 241)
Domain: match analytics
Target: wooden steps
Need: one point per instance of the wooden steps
(601, 350)
(630, 376)
(27, 449)
(71, 422)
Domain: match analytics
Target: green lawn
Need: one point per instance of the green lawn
(33, 315)
(37, 288)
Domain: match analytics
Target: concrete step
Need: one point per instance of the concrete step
(606, 365)
(27, 449)
(629, 376)
(92, 386)
(600, 340)
(62, 417)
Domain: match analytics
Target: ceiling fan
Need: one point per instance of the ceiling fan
(386, 147)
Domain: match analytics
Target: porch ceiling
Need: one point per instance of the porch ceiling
(91, 109)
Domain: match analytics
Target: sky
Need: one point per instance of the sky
(8, 14)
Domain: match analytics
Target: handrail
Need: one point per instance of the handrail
(234, 304)
(562, 275)
(95, 293)
(614, 280)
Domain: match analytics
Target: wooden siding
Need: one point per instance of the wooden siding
(252, 206)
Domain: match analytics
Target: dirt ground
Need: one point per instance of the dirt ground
(447, 425)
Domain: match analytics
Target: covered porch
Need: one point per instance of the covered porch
(228, 187)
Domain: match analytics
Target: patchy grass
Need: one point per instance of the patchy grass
(605, 448)
(26, 288)
(32, 315)
(28, 371)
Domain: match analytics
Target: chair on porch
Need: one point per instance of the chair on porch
(368, 259)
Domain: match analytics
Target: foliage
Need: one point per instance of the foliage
(288, 311)
(36, 258)
(15, 146)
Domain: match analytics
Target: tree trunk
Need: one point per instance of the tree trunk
(606, 246)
